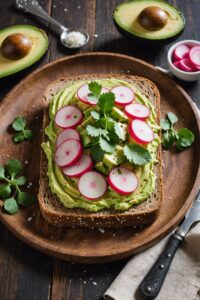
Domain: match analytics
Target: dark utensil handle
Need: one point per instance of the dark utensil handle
(152, 283)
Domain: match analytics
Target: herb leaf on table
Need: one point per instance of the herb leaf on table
(19, 125)
(10, 187)
(181, 140)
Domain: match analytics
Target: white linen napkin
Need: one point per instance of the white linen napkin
(182, 281)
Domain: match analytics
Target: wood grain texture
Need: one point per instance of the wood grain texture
(12, 252)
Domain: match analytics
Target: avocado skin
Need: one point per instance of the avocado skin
(150, 42)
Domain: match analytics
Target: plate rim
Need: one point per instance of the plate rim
(112, 255)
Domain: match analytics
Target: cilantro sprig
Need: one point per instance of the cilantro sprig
(23, 133)
(10, 187)
(181, 139)
(106, 132)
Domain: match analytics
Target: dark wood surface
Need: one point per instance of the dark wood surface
(24, 272)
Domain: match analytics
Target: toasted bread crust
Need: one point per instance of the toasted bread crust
(140, 215)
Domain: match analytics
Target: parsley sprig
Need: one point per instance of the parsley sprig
(106, 132)
(10, 187)
(23, 133)
(181, 139)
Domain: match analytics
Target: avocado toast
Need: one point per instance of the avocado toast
(60, 200)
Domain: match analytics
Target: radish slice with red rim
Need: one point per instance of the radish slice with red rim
(123, 95)
(68, 153)
(68, 117)
(80, 167)
(92, 185)
(180, 52)
(185, 65)
(83, 95)
(67, 134)
(123, 181)
(141, 132)
(194, 56)
(137, 111)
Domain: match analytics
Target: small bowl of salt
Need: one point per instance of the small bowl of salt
(74, 39)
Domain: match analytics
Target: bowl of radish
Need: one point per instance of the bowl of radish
(184, 60)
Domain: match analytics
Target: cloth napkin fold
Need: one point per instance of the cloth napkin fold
(182, 281)
(183, 278)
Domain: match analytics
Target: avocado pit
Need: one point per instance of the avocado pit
(153, 18)
(16, 46)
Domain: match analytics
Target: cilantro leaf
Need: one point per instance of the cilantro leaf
(19, 123)
(25, 199)
(95, 114)
(120, 133)
(168, 139)
(172, 118)
(28, 134)
(106, 122)
(96, 153)
(5, 190)
(19, 137)
(185, 139)
(95, 88)
(2, 172)
(165, 124)
(22, 136)
(20, 181)
(106, 146)
(106, 102)
(13, 167)
(11, 206)
(137, 155)
(94, 131)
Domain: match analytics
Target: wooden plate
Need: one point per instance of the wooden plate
(181, 171)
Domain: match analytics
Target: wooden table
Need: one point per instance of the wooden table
(24, 272)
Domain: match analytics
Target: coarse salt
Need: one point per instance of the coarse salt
(74, 39)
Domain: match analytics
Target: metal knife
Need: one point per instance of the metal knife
(150, 286)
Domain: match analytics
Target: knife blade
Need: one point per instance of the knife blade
(150, 286)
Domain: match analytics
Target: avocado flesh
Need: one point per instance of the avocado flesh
(39, 47)
(118, 115)
(126, 19)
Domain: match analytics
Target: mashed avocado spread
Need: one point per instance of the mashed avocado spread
(66, 188)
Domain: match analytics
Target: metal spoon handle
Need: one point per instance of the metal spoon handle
(33, 7)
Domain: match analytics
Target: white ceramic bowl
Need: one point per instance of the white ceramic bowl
(187, 76)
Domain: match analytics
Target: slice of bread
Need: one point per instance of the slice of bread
(137, 216)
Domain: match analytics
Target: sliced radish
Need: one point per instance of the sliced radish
(180, 52)
(68, 117)
(123, 95)
(83, 165)
(123, 180)
(185, 65)
(177, 64)
(141, 132)
(82, 94)
(194, 56)
(137, 111)
(92, 185)
(68, 153)
(67, 134)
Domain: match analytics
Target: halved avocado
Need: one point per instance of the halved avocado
(127, 19)
(39, 46)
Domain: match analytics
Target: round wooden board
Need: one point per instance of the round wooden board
(181, 171)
